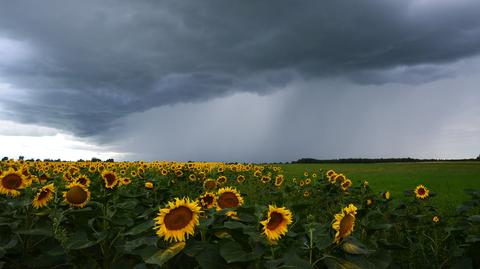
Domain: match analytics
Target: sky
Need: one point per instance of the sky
(245, 81)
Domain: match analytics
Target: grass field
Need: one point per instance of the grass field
(446, 179)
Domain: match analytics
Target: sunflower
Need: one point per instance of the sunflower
(306, 193)
(11, 181)
(369, 201)
(232, 214)
(305, 174)
(386, 195)
(344, 222)
(164, 172)
(421, 192)
(265, 179)
(77, 195)
(149, 185)
(240, 179)
(228, 198)
(257, 173)
(330, 173)
(110, 179)
(365, 184)
(221, 179)
(192, 177)
(85, 181)
(339, 178)
(279, 180)
(43, 196)
(209, 184)
(346, 184)
(436, 219)
(207, 200)
(178, 220)
(178, 173)
(275, 226)
(125, 181)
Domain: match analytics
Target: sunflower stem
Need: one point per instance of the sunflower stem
(310, 232)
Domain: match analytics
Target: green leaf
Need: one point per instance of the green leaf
(384, 226)
(233, 252)
(37, 231)
(164, 255)
(79, 241)
(209, 258)
(142, 241)
(144, 226)
(474, 218)
(234, 225)
(352, 246)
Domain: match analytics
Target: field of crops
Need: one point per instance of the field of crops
(216, 215)
(448, 179)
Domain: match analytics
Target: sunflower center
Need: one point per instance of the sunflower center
(43, 194)
(421, 191)
(178, 218)
(82, 180)
(208, 199)
(12, 181)
(110, 178)
(275, 220)
(228, 200)
(76, 195)
(346, 224)
(210, 184)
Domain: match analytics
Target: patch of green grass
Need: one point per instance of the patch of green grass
(446, 179)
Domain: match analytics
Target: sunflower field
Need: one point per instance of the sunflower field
(217, 215)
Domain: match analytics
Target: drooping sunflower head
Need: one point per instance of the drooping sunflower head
(77, 195)
(421, 192)
(43, 196)
(210, 184)
(275, 226)
(344, 222)
(178, 220)
(208, 200)
(110, 179)
(11, 181)
(228, 198)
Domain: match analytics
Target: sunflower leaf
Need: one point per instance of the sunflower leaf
(140, 228)
(233, 252)
(164, 255)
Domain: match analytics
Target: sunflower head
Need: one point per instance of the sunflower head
(279, 180)
(275, 226)
(228, 198)
(149, 185)
(386, 195)
(240, 179)
(43, 196)
(346, 184)
(436, 219)
(85, 181)
(11, 181)
(207, 200)
(344, 222)
(178, 220)
(110, 179)
(77, 195)
(210, 184)
(421, 192)
(221, 180)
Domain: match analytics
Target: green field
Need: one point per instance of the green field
(446, 179)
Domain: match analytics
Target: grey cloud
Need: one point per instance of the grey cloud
(94, 62)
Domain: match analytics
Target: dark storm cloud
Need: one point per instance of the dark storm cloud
(92, 62)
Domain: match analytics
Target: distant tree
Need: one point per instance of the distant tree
(96, 159)
(4, 159)
(478, 158)
(110, 160)
(21, 158)
(81, 160)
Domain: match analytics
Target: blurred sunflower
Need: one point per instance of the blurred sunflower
(110, 179)
(386, 195)
(178, 220)
(149, 185)
(344, 222)
(207, 200)
(77, 195)
(421, 192)
(330, 173)
(209, 184)
(365, 184)
(265, 179)
(346, 184)
(279, 180)
(11, 181)
(221, 179)
(232, 214)
(240, 179)
(436, 219)
(43, 196)
(228, 198)
(192, 177)
(275, 226)
(125, 181)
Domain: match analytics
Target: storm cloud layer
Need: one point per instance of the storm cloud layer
(88, 67)
(83, 64)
